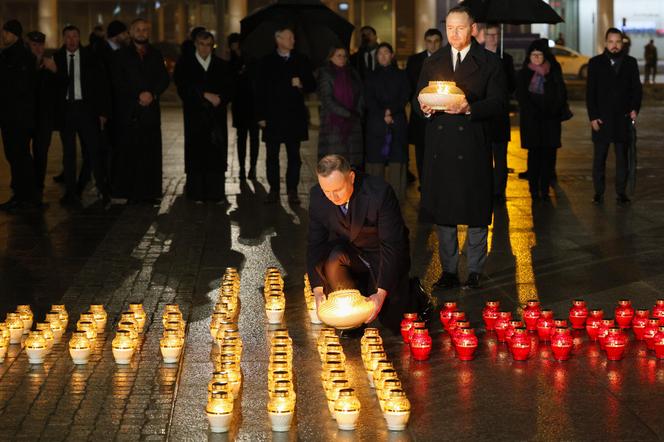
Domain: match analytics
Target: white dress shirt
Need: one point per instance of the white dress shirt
(204, 62)
(463, 51)
(78, 94)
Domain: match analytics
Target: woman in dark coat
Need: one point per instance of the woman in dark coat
(542, 99)
(205, 84)
(341, 105)
(387, 90)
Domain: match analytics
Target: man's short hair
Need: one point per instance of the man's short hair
(613, 31)
(332, 163)
(433, 31)
(461, 10)
(138, 20)
(492, 26)
(279, 31)
(204, 35)
(71, 28)
(368, 28)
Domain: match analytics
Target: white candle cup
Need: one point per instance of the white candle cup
(80, 356)
(274, 316)
(36, 355)
(347, 420)
(123, 355)
(396, 420)
(15, 335)
(281, 421)
(171, 355)
(313, 317)
(219, 423)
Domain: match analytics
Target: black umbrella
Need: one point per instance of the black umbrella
(513, 12)
(317, 28)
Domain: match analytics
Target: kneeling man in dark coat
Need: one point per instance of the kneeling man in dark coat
(357, 239)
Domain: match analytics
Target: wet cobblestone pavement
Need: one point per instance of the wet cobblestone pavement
(177, 252)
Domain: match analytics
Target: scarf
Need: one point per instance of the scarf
(536, 85)
(343, 94)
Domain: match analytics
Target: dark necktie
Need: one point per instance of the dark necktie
(370, 61)
(71, 90)
(458, 61)
(344, 209)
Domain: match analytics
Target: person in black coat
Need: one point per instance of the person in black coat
(17, 114)
(84, 107)
(244, 116)
(205, 84)
(139, 78)
(45, 108)
(613, 100)
(499, 130)
(364, 60)
(358, 239)
(284, 77)
(458, 178)
(433, 39)
(387, 92)
(542, 96)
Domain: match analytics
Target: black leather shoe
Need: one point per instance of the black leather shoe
(473, 281)
(447, 281)
(623, 199)
(598, 199)
(523, 175)
(252, 174)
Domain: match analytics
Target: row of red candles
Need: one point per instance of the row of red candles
(609, 332)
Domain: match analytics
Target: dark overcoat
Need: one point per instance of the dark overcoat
(205, 127)
(539, 114)
(242, 107)
(458, 175)
(329, 139)
(611, 96)
(278, 102)
(138, 166)
(376, 230)
(417, 123)
(386, 88)
(18, 73)
(500, 130)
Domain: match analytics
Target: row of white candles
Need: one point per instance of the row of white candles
(224, 387)
(275, 300)
(310, 301)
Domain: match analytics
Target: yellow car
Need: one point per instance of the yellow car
(573, 63)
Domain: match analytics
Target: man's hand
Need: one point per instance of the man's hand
(262, 124)
(426, 109)
(595, 124)
(378, 299)
(319, 296)
(633, 115)
(102, 121)
(145, 98)
(212, 98)
(296, 82)
(49, 64)
(459, 109)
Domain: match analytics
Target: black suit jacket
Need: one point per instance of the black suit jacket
(359, 63)
(611, 96)
(94, 81)
(416, 125)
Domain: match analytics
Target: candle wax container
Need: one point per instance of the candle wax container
(347, 409)
(35, 347)
(406, 324)
(281, 408)
(123, 347)
(171, 348)
(15, 326)
(578, 314)
(79, 348)
(397, 411)
(490, 314)
(219, 411)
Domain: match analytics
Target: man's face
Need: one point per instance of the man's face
(460, 28)
(235, 46)
(432, 43)
(140, 32)
(8, 38)
(72, 40)
(286, 40)
(491, 38)
(37, 49)
(122, 38)
(204, 47)
(369, 38)
(337, 187)
(614, 43)
(384, 56)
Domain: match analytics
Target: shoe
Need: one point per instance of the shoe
(293, 198)
(355, 333)
(523, 175)
(252, 173)
(598, 199)
(622, 199)
(272, 198)
(473, 281)
(447, 281)
(59, 178)
(9, 205)
(421, 300)
(70, 199)
(243, 175)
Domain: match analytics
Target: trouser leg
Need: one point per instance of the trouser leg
(241, 146)
(293, 166)
(375, 169)
(254, 142)
(600, 151)
(89, 133)
(40, 145)
(621, 168)
(477, 248)
(548, 159)
(419, 159)
(17, 151)
(499, 167)
(342, 269)
(534, 170)
(396, 176)
(68, 138)
(272, 166)
(448, 248)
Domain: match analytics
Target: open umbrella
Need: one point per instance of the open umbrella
(317, 28)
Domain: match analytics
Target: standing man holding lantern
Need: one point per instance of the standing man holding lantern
(458, 179)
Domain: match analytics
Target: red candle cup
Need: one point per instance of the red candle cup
(531, 314)
(560, 323)
(561, 344)
(545, 326)
(593, 322)
(490, 314)
(639, 323)
(578, 314)
(456, 317)
(624, 313)
(658, 343)
(455, 333)
(406, 325)
(658, 310)
(520, 344)
(416, 325)
(420, 344)
(446, 313)
(604, 327)
(615, 344)
(511, 326)
(501, 325)
(650, 331)
(466, 344)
